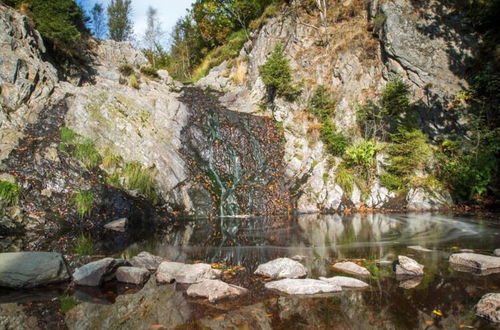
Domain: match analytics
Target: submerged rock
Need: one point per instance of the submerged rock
(215, 290)
(152, 305)
(409, 283)
(303, 286)
(282, 268)
(184, 273)
(489, 307)
(146, 260)
(97, 272)
(119, 225)
(475, 261)
(350, 267)
(32, 269)
(345, 282)
(419, 248)
(408, 267)
(133, 275)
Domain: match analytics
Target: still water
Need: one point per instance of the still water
(443, 298)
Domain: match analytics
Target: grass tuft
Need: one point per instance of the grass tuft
(87, 153)
(84, 201)
(9, 192)
(140, 179)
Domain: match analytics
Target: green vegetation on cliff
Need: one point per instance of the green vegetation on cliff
(9, 193)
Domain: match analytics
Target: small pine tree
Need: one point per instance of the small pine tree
(119, 20)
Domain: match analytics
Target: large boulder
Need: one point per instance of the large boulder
(32, 269)
(153, 305)
(133, 275)
(185, 273)
(350, 267)
(215, 290)
(489, 307)
(408, 267)
(282, 268)
(345, 282)
(303, 286)
(146, 260)
(97, 272)
(474, 261)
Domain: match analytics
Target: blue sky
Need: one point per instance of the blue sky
(169, 11)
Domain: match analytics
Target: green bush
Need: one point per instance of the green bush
(322, 104)
(150, 71)
(133, 81)
(345, 179)
(336, 142)
(68, 136)
(86, 152)
(277, 76)
(84, 246)
(60, 22)
(126, 70)
(140, 179)
(363, 154)
(84, 201)
(408, 153)
(9, 193)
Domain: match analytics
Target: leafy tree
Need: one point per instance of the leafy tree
(98, 20)
(119, 20)
(153, 36)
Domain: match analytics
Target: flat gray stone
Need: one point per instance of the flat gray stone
(133, 275)
(215, 290)
(185, 273)
(97, 272)
(32, 269)
(303, 286)
(282, 268)
(476, 261)
(408, 267)
(119, 225)
(345, 282)
(489, 307)
(350, 267)
(419, 248)
(146, 260)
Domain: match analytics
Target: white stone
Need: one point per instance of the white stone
(282, 268)
(345, 282)
(474, 260)
(303, 286)
(133, 275)
(119, 225)
(489, 307)
(215, 290)
(350, 267)
(146, 260)
(408, 267)
(185, 273)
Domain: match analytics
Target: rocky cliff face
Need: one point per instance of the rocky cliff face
(355, 55)
(220, 153)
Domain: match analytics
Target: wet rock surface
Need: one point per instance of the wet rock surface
(97, 272)
(350, 267)
(282, 268)
(489, 307)
(408, 267)
(184, 273)
(303, 286)
(239, 157)
(215, 290)
(32, 269)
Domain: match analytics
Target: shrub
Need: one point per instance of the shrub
(68, 136)
(345, 179)
(86, 152)
(126, 70)
(362, 154)
(84, 246)
(408, 153)
(276, 75)
(150, 71)
(322, 104)
(9, 193)
(84, 201)
(336, 142)
(140, 179)
(133, 81)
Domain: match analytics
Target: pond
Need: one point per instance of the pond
(443, 298)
